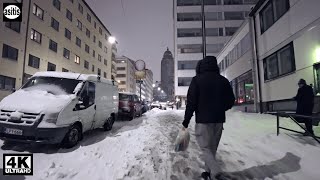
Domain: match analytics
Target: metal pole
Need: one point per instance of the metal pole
(204, 43)
(278, 124)
(140, 89)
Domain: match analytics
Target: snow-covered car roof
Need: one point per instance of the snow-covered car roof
(70, 75)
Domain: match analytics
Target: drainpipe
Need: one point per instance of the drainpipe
(26, 43)
(256, 59)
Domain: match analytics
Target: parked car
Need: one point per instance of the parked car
(55, 107)
(129, 105)
(156, 105)
(163, 105)
(145, 106)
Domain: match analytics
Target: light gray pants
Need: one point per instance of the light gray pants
(208, 137)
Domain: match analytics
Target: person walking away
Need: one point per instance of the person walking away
(305, 103)
(209, 96)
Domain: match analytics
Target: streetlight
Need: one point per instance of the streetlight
(161, 91)
(159, 88)
(112, 40)
(153, 85)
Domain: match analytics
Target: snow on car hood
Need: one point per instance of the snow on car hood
(35, 101)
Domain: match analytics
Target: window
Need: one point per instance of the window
(36, 10)
(214, 48)
(7, 83)
(190, 32)
(105, 49)
(231, 30)
(95, 25)
(88, 33)
(80, 8)
(93, 53)
(214, 32)
(232, 2)
(57, 4)
(14, 26)
(272, 11)
(280, 63)
(69, 15)
(34, 61)
(99, 57)
(213, 16)
(99, 71)
(239, 15)
(78, 42)
(65, 70)
(66, 53)
(87, 48)
(100, 30)
(53, 46)
(243, 88)
(54, 24)
(86, 64)
(89, 18)
(92, 69)
(79, 25)
(10, 52)
(100, 44)
(106, 37)
(105, 62)
(67, 33)
(184, 81)
(51, 67)
(36, 36)
(104, 74)
(189, 17)
(87, 95)
(77, 59)
(121, 68)
(187, 65)
(189, 48)
(94, 38)
(121, 75)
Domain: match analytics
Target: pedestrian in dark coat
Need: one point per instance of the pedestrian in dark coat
(209, 96)
(305, 103)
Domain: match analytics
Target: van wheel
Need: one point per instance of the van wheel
(132, 115)
(108, 124)
(72, 137)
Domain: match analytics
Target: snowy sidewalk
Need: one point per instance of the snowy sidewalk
(143, 149)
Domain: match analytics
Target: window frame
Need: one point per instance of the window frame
(35, 9)
(53, 46)
(66, 31)
(86, 64)
(53, 22)
(78, 41)
(31, 61)
(7, 55)
(10, 24)
(32, 37)
(77, 59)
(69, 15)
(51, 65)
(54, 4)
(4, 80)
(64, 53)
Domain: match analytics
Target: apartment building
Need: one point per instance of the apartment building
(125, 70)
(148, 85)
(54, 35)
(287, 48)
(223, 18)
(236, 64)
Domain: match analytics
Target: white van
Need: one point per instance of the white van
(56, 107)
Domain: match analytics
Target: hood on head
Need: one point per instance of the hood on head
(208, 64)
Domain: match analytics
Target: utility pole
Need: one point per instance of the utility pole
(204, 43)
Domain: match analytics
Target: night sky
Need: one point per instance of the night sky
(143, 28)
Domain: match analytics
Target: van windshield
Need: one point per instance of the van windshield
(124, 97)
(53, 85)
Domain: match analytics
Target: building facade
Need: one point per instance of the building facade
(125, 77)
(287, 48)
(167, 74)
(223, 18)
(148, 84)
(236, 64)
(54, 35)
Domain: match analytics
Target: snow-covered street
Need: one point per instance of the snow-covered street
(143, 149)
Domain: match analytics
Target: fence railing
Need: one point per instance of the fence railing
(293, 117)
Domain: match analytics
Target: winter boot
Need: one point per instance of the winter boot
(206, 176)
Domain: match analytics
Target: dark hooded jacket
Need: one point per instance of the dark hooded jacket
(209, 94)
(305, 100)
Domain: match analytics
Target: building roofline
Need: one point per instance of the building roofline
(84, 1)
(244, 23)
(257, 7)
